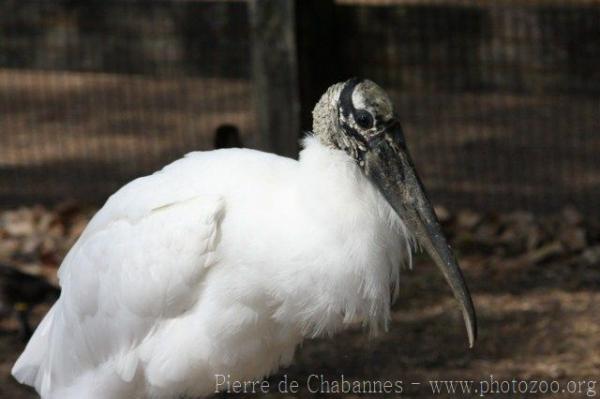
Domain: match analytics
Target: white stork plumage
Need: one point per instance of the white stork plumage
(224, 261)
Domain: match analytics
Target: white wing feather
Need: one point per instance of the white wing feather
(140, 261)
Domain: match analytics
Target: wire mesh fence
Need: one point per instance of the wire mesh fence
(93, 94)
(500, 100)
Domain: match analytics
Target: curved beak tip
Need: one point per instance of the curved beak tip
(472, 333)
(470, 318)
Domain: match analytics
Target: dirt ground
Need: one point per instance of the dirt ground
(535, 284)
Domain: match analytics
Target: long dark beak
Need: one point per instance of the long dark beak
(389, 165)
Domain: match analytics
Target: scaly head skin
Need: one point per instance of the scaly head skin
(361, 109)
(357, 117)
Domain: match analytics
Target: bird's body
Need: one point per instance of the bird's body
(224, 261)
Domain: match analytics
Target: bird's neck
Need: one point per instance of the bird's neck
(362, 244)
(334, 180)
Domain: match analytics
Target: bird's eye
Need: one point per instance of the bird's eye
(364, 119)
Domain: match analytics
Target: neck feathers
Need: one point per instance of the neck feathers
(366, 241)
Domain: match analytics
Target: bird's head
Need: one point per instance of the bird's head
(357, 117)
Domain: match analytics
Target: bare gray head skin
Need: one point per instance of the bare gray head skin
(360, 108)
(357, 117)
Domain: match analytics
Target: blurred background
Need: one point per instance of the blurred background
(500, 102)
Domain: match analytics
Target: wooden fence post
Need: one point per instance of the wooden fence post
(275, 75)
(318, 54)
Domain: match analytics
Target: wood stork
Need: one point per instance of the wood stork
(224, 261)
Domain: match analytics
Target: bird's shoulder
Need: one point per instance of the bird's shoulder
(204, 175)
(153, 235)
(164, 223)
(148, 261)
